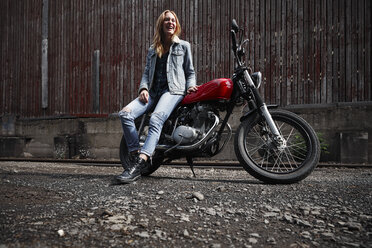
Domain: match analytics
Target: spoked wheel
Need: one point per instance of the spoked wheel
(151, 166)
(267, 160)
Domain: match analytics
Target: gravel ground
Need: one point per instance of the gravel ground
(60, 205)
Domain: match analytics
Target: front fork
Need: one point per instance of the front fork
(277, 137)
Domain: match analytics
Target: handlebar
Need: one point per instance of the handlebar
(239, 52)
(235, 46)
(234, 30)
(233, 39)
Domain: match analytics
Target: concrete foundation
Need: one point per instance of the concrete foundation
(345, 131)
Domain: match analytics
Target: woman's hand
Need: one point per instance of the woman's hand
(192, 89)
(144, 96)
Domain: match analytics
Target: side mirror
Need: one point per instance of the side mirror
(234, 26)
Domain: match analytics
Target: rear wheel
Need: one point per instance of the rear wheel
(264, 159)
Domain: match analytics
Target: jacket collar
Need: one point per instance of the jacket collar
(176, 39)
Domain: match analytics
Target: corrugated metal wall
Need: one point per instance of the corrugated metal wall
(310, 51)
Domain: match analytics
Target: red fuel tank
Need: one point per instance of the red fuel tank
(219, 88)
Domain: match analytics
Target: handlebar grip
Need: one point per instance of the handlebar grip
(234, 30)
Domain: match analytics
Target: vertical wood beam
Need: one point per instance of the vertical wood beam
(95, 82)
(44, 55)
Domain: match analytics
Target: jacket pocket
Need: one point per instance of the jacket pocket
(178, 52)
(177, 56)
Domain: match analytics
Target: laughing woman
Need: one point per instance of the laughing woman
(168, 76)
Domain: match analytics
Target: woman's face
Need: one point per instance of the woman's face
(169, 24)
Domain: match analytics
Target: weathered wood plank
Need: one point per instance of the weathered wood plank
(367, 54)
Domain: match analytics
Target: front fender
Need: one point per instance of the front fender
(254, 111)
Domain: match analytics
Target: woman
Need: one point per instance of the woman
(169, 74)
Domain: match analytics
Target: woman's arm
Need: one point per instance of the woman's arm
(145, 81)
(189, 68)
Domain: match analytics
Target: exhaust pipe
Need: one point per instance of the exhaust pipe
(192, 146)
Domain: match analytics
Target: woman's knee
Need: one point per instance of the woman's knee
(125, 113)
(157, 119)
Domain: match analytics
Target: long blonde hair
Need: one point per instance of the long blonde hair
(157, 40)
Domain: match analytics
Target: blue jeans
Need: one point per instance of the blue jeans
(164, 107)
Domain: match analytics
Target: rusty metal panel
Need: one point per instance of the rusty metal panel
(20, 30)
(308, 51)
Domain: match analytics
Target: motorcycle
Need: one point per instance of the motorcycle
(273, 145)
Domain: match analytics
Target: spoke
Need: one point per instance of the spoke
(275, 161)
(299, 148)
(266, 158)
(258, 134)
(254, 148)
(281, 162)
(290, 134)
(284, 154)
(294, 147)
(260, 161)
(257, 138)
(290, 159)
(281, 130)
(297, 157)
(297, 144)
(280, 127)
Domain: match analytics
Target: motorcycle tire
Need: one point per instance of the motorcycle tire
(263, 159)
(151, 166)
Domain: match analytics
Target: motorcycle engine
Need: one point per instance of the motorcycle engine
(193, 124)
(185, 134)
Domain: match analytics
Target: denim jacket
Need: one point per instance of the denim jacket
(180, 70)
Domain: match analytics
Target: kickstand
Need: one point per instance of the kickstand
(191, 163)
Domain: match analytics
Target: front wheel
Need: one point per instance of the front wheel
(264, 159)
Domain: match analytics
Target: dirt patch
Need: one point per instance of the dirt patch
(13, 195)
